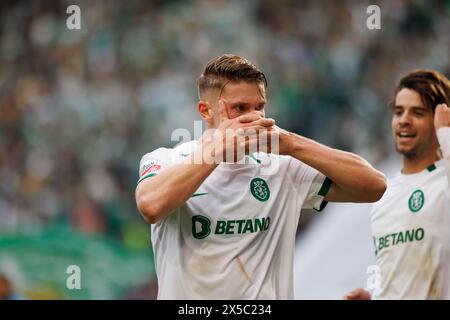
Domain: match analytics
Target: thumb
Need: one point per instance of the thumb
(223, 112)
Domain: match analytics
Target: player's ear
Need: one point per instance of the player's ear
(206, 111)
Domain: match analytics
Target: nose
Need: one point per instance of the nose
(405, 119)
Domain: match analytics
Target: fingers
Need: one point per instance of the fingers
(442, 108)
(441, 116)
(223, 112)
(244, 141)
(265, 122)
(250, 146)
(252, 130)
(256, 116)
(249, 117)
(256, 120)
(357, 294)
(263, 141)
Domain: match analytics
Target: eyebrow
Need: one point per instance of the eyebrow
(245, 104)
(413, 107)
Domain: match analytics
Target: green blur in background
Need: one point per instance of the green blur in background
(79, 108)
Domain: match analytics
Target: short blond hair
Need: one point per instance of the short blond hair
(228, 67)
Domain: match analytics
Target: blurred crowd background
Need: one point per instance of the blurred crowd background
(79, 108)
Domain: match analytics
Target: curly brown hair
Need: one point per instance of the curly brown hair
(432, 86)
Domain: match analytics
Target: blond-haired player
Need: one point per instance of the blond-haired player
(227, 230)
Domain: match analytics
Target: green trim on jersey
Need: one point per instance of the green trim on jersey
(254, 158)
(431, 168)
(145, 177)
(325, 187)
(322, 206)
(199, 194)
(323, 192)
(153, 174)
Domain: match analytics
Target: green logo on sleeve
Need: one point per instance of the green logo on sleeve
(416, 201)
(260, 189)
(201, 227)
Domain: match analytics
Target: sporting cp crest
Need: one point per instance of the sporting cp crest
(416, 201)
(260, 189)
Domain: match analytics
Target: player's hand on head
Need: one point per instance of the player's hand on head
(441, 116)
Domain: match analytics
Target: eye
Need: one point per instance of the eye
(240, 108)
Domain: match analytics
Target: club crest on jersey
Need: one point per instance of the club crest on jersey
(259, 189)
(416, 201)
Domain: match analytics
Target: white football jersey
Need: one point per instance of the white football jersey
(411, 229)
(234, 238)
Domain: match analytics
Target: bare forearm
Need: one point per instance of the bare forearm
(163, 193)
(351, 173)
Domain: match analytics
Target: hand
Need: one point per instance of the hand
(283, 138)
(234, 138)
(357, 294)
(441, 116)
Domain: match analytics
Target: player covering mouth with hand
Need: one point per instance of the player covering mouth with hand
(226, 229)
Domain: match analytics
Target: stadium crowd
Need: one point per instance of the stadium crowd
(80, 107)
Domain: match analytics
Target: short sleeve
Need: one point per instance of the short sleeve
(311, 185)
(154, 162)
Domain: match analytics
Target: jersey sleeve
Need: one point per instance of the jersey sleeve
(154, 162)
(311, 185)
(443, 135)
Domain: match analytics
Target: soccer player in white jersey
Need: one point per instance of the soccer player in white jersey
(411, 223)
(225, 230)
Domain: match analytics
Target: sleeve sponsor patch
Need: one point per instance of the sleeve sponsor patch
(150, 167)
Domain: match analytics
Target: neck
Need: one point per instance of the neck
(416, 164)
